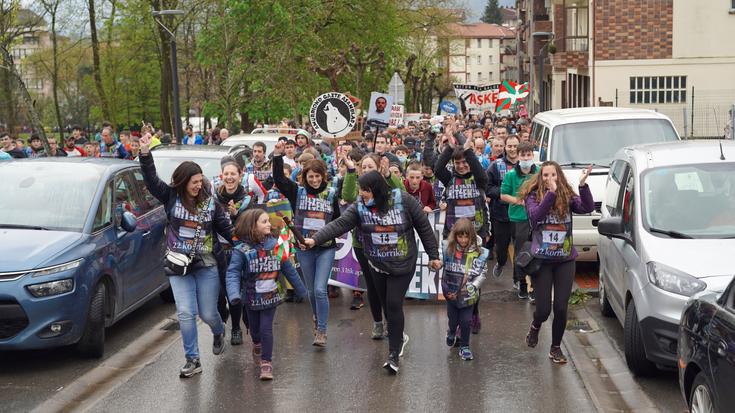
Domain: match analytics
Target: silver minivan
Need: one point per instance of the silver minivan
(667, 232)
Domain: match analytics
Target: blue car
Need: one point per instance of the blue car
(82, 242)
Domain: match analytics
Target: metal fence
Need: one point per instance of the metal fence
(702, 114)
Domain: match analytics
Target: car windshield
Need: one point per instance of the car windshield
(47, 195)
(269, 144)
(166, 164)
(697, 201)
(597, 142)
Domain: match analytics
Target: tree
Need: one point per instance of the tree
(96, 68)
(492, 13)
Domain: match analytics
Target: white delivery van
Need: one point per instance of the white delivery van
(575, 138)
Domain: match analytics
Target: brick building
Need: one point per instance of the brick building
(670, 55)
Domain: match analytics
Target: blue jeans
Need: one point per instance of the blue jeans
(316, 264)
(197, 290)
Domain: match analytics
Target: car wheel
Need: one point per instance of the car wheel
(167, 295)
(700, 398)
(635, 352)
(605, 307)
(92, 343)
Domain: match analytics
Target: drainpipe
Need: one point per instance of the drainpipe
(591, 48)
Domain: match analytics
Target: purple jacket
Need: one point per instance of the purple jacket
(582, 204)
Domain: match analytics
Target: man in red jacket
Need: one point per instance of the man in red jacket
(418, 187)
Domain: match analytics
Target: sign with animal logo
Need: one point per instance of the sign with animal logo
(332, 115)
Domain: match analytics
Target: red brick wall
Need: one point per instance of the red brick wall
(563, 60)
(639, 29)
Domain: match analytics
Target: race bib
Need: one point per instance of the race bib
(465, 211)
(385, 238)
(265, 286)
(313, 223)
(553, 237)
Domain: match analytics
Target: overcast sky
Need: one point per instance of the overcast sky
(477, 7)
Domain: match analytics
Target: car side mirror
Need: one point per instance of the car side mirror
(128, 221)
(612, 227)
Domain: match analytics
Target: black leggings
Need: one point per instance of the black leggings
(459, 317)
(560, 276)
(391, 290)
(372, 293)
(223, 302)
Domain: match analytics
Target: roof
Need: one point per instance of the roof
(100, 164)
(508, 13)
(481, 30)
(682, 152)
(575, 115)
(191, 151)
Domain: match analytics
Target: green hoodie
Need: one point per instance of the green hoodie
(511, 184)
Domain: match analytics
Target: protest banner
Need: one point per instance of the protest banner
(476, 99)
(379, 110)
(332, 115)
(396, 115)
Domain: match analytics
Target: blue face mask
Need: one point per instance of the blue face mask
(525, 164)
(402, 159)
(370, 202)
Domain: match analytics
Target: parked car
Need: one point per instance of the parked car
(707, 352)
(208, 157)
(247, 140)
(575, 138)
(668, 232)
(82, 242)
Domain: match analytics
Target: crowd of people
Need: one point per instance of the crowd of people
(265, 232)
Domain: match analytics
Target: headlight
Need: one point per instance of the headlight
(56, 268)
(673, 280)
(51, 288)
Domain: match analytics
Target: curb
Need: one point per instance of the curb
(605, 375)
(84, 392)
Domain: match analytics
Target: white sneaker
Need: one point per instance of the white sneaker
(403, 344)
(497, 271)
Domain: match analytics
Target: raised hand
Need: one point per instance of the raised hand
(145, 143)
(551, 184)
(585, 175)
(279, 149)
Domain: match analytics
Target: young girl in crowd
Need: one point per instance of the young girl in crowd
(254, 270)
(550, 202)
(464, 272)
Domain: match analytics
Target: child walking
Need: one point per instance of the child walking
(464, 272)
(254, 270)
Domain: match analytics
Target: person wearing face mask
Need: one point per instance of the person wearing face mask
(550, 202)
(465, 197)
(522, 171)
(502, 231)
(315, 203)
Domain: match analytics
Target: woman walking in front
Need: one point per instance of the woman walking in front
(194, 220)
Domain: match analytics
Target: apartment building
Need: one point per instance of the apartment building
(37, 38)
(674, 56)
(480, 53)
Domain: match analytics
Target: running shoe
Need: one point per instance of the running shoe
(320, 339)
(532, 336)
(192, 367)
(218, 344)
(516, 285)
(532, 297)
(523, 291)
(392, 363)
(378, 331)
(497, 271)
(556, 355)
(475, 324)
(266, 370)
(357, 301)
(236, 338)
(451, 339)
(465, 353)
(403, 344)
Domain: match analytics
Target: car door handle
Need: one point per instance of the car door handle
(722, 349)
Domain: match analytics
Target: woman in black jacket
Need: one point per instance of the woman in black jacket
(187, 202)
(387, 219)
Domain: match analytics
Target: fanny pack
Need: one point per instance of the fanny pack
(179, 264)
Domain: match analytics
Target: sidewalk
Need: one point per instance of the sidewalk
(506, 376)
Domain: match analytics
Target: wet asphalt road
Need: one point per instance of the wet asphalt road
(27, 378)
(663, 388)
(506, 376)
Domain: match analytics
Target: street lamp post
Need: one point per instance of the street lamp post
(541, 64)
(174, 70)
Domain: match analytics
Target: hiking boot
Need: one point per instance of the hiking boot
(532, 336)
(357, 301)
(392, 363)
(266, 370)
(451, 339)
(192, 367)
(556, 355)
(475, 324)
(218, 345)
(257, 352)
(465, 353)
(378, 331)
(523, 290)
(403, 344)
(236, 337)
(320, 339)
(497, 271)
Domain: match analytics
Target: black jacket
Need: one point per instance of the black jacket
(406, 265)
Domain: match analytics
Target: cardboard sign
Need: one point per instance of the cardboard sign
(332, 115)
(476, 99)
(396, 115)
(379, 111)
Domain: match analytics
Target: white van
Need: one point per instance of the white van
(575, 138)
